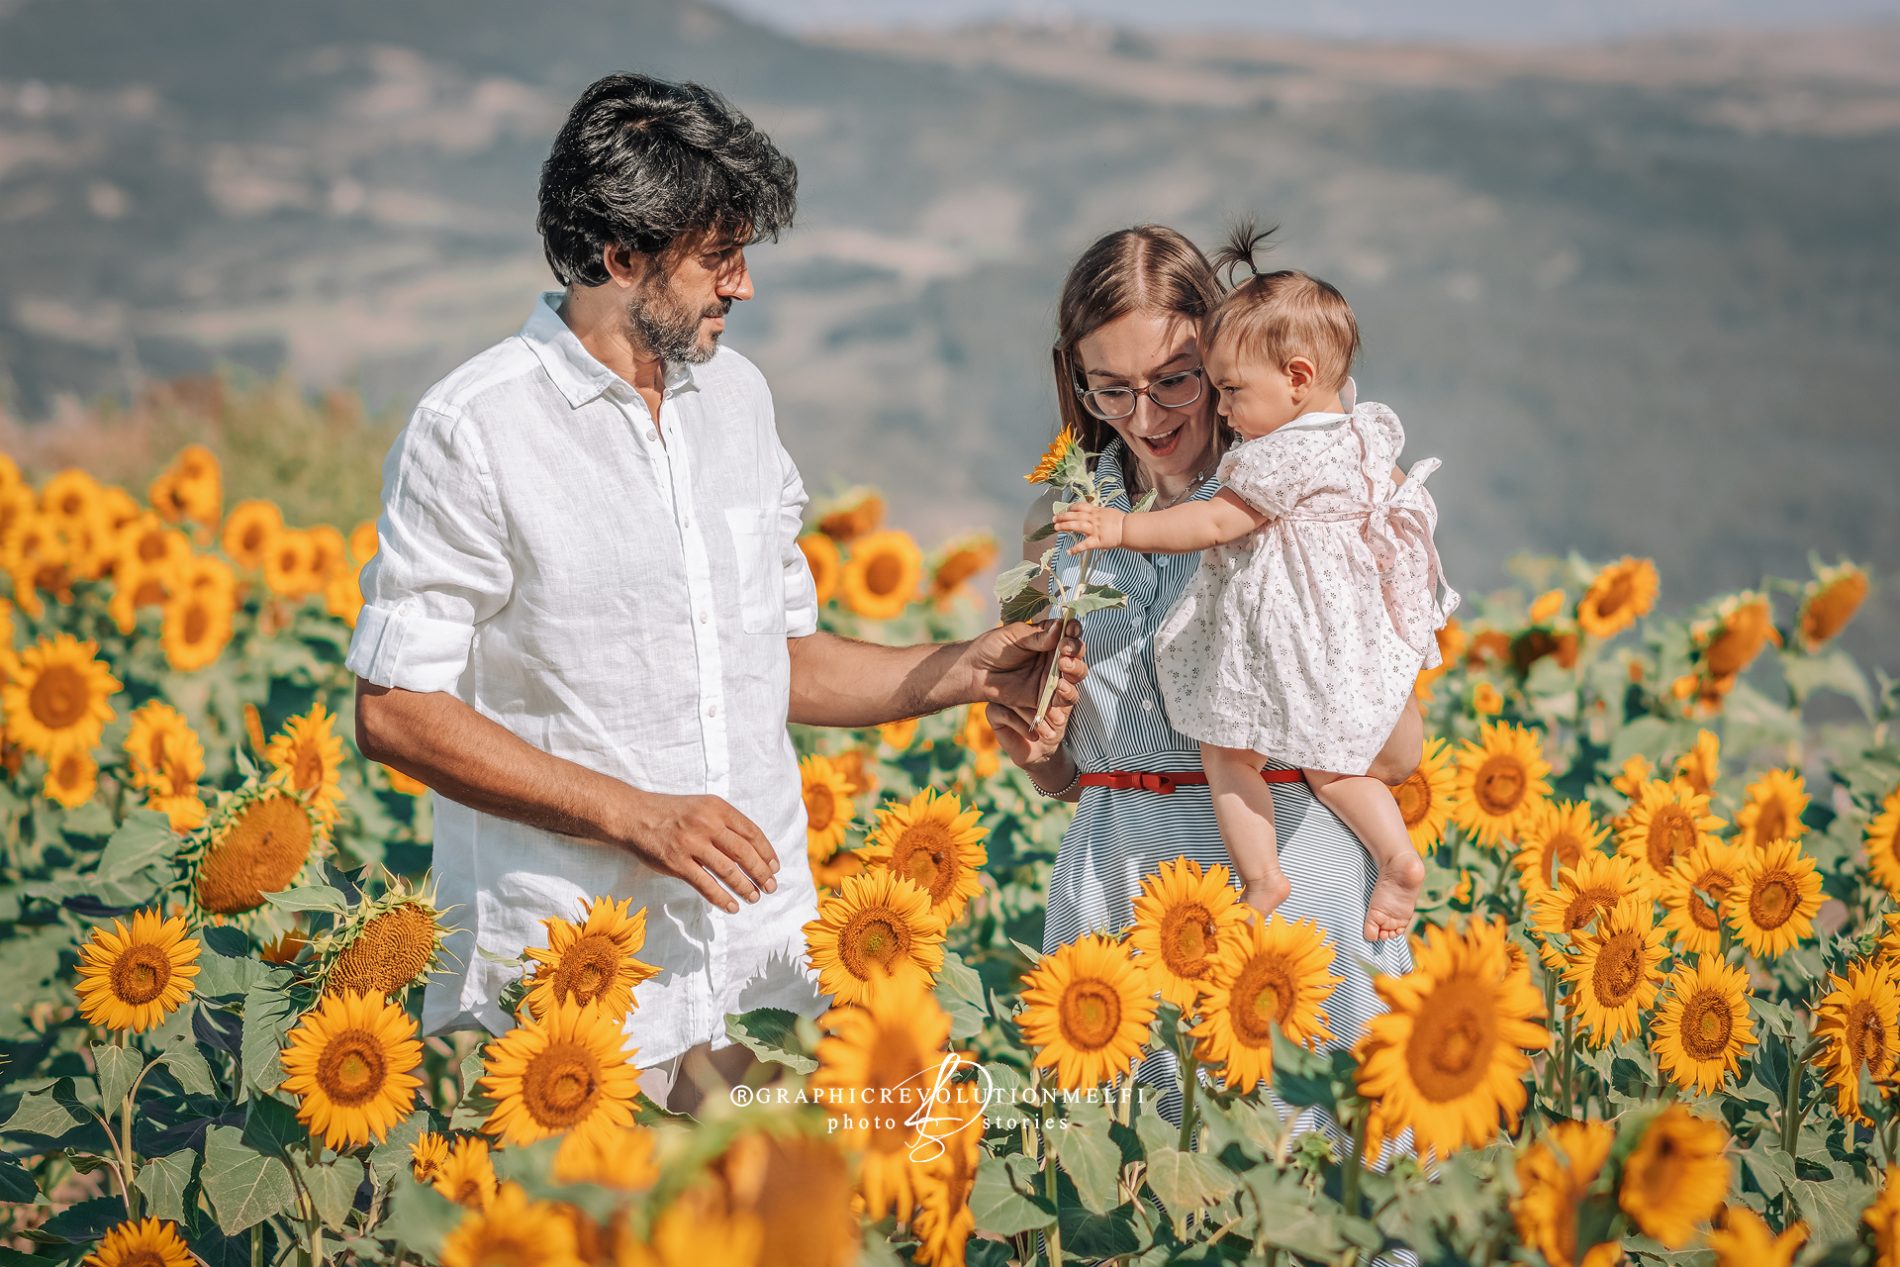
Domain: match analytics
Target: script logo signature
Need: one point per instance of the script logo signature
(939, 1114)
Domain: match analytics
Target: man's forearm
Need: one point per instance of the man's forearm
(839, 681)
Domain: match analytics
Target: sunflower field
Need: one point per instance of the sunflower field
(1653, 1015)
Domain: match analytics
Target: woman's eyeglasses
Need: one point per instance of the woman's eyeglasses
(1171, 391)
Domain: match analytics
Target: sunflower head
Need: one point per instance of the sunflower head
(1184, 916)
(828, 810)
(882, 575)
(513, 1229)
(1694, 892)
(1502, 779)
(1059, 463)
(1087, 1009)
(1666, 825)
(1425, 798)
(852, 515)
(1271, 975)
(1702, 1027)
(1772, 808)
(1774, 900)
(553, 1074)
(307, 755)
(466, 1174)
(1621, 593)
(143, 1243)
(1556, 835)
(826, 562)
(348, 1062)
(1615, 973)
(260, 839)
(961, 560)
(937, 844)
(1856, 1024)
(57, 696)
(132, 976)
(386, 946)
(880, 925)
(591, 963)
(1829, 603)
(1742, 625)
(1677, 1176)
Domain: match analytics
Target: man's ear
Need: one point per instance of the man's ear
(626, 268)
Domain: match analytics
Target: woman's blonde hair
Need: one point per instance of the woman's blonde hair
(1149, 268)
(1279, 315)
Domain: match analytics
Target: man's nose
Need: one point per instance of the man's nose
(737, 284)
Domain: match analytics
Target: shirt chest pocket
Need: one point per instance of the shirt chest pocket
(761, 583)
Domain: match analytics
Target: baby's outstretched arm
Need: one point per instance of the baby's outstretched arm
(1177, 530)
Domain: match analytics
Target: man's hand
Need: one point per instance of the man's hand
(1010, 663)
(1099, 527)
(698, 838)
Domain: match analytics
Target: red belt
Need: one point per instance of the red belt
(1167, 780)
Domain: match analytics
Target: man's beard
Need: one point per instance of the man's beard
(670, 329)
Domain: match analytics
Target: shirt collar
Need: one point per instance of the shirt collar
(576, 374)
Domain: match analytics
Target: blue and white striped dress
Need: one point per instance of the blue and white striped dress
(1120, 837)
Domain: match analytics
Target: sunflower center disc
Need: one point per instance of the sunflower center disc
(1560, 851)
(1586, 906)
(927, 871)
(1706, 1024)
(142, 1258)
(1091, 1014)
(1266, 995)
(1771, 824)
(561, 1084)
(820, 806)
(351, 1068)
(197, 622)
(588, 968)
(1867, 1039)
(1671, 833)
(1185, 937)
(1415, 800)
(1706, 910)
(140, 974)
(884, 575)
(1618, 970)
(874, 943)
(1772, 903)
(1500, 785)
(308, 768)
(1451, 1044)
(59, 698)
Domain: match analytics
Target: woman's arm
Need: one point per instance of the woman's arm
(1179, 529)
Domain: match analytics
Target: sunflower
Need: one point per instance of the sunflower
(1828, 604)
(1557, 835)
(307, 756)
(145, 1243)
(1451, 644)
(258, 840)
(1772, 808)
(191, 488)
(1591, 888)
(852, 765)
(977, 735)
(1632, 775)
(1183, 918)
(1677, 1177)
(329, 552)
(961, 560)
(71, 778)
(1485, 700)
(1449, 1055)
(343, 596)
(898, 735)
(880, 925)
(1425, 798)
(1621, 593)
(57, 696)
(1883, 843)
(1743, 624)
(1702, 1026)
(1701, 765)
(1745, 1240)
(1086, 1011)
(134, 976)
(513, 1230)
(699, 1225)
(427, 1156)
(1693, 892)
(1858, 1023)
(591, 964)
(826, 563)
(1501, 780)
(1054, 457)
(72, 495)
(348, 1062)
(248, 531)
(155, 728)
(197, 627)
(1882, 1218)
(882, 575)
(1774, 899)
(555, 1073)
(1663, 828)
(873, 1055)
(1270, 975)
(467, 1173)
(1546, 607)
(1614, 974)
(943, 1221)
(937, 843)
(829, 874)
(611, 1156)
(1553, 1179)
(386, 947)
(290, 565)
(828, 808)
(852, 516)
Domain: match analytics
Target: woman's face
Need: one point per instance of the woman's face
(1133, 351)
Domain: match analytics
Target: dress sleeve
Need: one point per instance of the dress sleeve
(1267, 473)
(441, 566)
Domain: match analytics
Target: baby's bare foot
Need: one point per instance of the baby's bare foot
(1395, 897)
(1267, 892)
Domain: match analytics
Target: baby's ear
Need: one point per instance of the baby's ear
(1300, 373)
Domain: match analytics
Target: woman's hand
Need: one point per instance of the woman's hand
(1098, 527)
(1038, 752)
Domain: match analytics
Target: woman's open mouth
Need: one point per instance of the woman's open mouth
(1162, 445)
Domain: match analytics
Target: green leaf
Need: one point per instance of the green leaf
(226, 976)
(1095, 598)
(1012, 581)
(84, 1222)
(52, 1112)
(1143, 502)
(245, 1186)
(1186, 1182)
(960, 990)
(1301, 1078)
(1092, 1157)
(145, 838)
(1830, 670)
(269, 1014)
(164, 1181)
(188, 1065)
(1832, 1210)
(770, 1034)
(271, 1126)
(419, 1217)
(1047, 530)
(472, 1109)
(16, 1183)
(1027, 605)
(118, 1068)
(310, 897)
(393, 1153)
(332, 1186)
(998, 1207)
(1098, 1234)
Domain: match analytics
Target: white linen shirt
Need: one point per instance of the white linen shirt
(618, 594)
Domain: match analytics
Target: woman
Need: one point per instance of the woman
(1129, 382)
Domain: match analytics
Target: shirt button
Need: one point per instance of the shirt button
(712, 710)
(652, 434)
(1147, 706)
(702, 618)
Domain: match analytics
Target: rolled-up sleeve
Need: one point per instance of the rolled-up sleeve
(801, 592)
(441, 566)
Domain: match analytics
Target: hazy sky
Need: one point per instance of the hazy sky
(1449, 19)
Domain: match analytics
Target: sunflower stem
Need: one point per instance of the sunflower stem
(1570, 1058)
(1052, 1187)
(1790, 1104)
(1190, 1071)
(1355, 1164)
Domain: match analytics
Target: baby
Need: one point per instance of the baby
(1314, 608)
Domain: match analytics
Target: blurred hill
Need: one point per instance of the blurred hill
(1642, 297)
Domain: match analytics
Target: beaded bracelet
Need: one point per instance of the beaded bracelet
(1060, 792)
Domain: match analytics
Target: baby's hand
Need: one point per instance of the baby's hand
(1099, 527)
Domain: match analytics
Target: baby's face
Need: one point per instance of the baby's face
(1254, 396)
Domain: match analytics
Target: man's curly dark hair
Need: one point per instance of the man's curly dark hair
(643, 163)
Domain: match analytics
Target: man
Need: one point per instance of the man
(589, 621)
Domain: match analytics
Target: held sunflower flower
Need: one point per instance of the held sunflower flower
(1702, 1027)
(1772, 808)
(882, 576)
(1055, 457)
(513, 1229)
(1501, 781)
(57, 696)
(307, 755)
(1621, 592)
(554, 1074)
(1677, 1177)
(828, 809)
(1745, 1240)
(1663, 828)
(591, 964)
(1693, 894)
(1554, 1175)
(1557, 835)
(879, 926)
(875, 1055)
(467, 1173)
(937, 843)
(260, 839)
(1828, 604)
(133, 976)
(1883, 844)
(1773, 901)
(348, 1062)
(1615, 974)
(826, 563)
(1425, 798)
(1184, 916)
(1858, 1023)
(144, 1243)
(1086, 1011)
(1270, 975)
